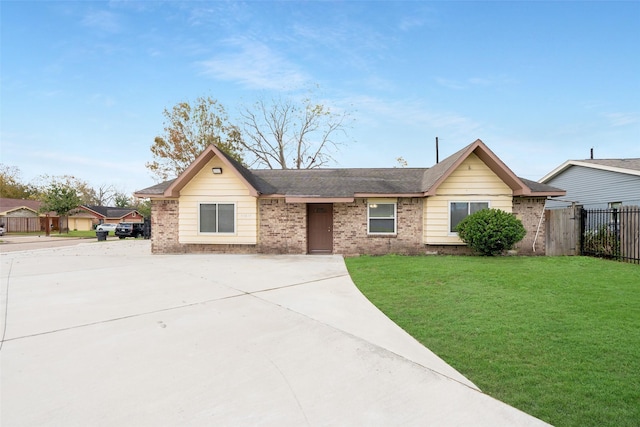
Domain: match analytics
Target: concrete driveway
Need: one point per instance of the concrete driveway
(105, 334)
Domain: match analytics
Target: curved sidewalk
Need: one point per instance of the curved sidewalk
(104, 333)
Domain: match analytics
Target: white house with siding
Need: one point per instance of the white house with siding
(596, 183)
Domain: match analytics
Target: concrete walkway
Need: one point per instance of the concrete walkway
(105, 334)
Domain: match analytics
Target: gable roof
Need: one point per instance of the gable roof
(173, 190)
(346, 184)
(627, 166)
(107, 211)
(441, 171)
(10, 205)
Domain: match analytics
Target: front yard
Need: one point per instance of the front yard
(558, 338)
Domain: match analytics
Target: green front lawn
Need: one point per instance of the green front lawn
(558, 338)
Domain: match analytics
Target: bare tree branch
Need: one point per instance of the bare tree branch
(284, 134)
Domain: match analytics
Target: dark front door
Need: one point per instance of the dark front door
(320, 228)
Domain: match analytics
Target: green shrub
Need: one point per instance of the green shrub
(491, 231)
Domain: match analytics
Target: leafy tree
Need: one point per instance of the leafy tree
(143, 206)
(284, 134)
(122, 200)
(87, 194)
(401, 162)
(188, 129)
(60, 199)
(11, 185)
(491, 231)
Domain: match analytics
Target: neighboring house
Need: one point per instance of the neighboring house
(86, 217)
(596, 183)
(20, 215)
(217, 205)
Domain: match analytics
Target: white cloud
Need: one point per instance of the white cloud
(472, 82)
(255, 66)
(102, 20)
(451, 84)
(409, 113)
(409, 23)
(622, 119)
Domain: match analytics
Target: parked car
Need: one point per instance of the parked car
(1, 230)
(130, 229)
(106, 227)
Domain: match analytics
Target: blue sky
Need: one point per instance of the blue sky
(84, 84)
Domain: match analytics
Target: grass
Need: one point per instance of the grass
(558, 338)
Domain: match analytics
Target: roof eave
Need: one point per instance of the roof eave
(547, 194)
(317, 199)
(566, 165)
(388, 194)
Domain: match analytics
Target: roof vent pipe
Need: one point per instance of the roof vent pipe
(437, 155)
(591, 153)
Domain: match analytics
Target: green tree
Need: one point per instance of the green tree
(491, 231)
(122, 200)
(188, 129)
(60, 199)
(11, 185)
(87, 194)
(285, 134)
(144, 207)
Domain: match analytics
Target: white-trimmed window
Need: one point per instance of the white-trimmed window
(460, 210)
(382, 218)
(218, 218)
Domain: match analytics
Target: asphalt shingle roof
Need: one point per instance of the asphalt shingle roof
(343, 183)
(110, 212)
(340, 182)
(632, 164)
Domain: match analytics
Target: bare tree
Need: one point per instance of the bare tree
(104, 195)
(284, 134)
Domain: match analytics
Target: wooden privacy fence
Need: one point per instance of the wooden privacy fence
(603, 233)
(563, 231)
(20, 224)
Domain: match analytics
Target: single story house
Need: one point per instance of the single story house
(86, 217)
(21, 215)
(596, 183)
(217, 205)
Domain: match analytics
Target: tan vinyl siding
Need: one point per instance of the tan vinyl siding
(206, 187)
(473, 181)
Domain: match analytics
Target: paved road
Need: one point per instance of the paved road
(105, 334)
(12, 243)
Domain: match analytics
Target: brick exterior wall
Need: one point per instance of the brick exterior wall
(164, 226)
(283, 230)
(529, 210)
(350, 230)
(282, 227)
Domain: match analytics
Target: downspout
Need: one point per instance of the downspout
(539, 225)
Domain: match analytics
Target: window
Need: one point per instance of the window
(460, 210)
(217, 218)
(382, 218)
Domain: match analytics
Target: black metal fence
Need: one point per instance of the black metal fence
(611, 233)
